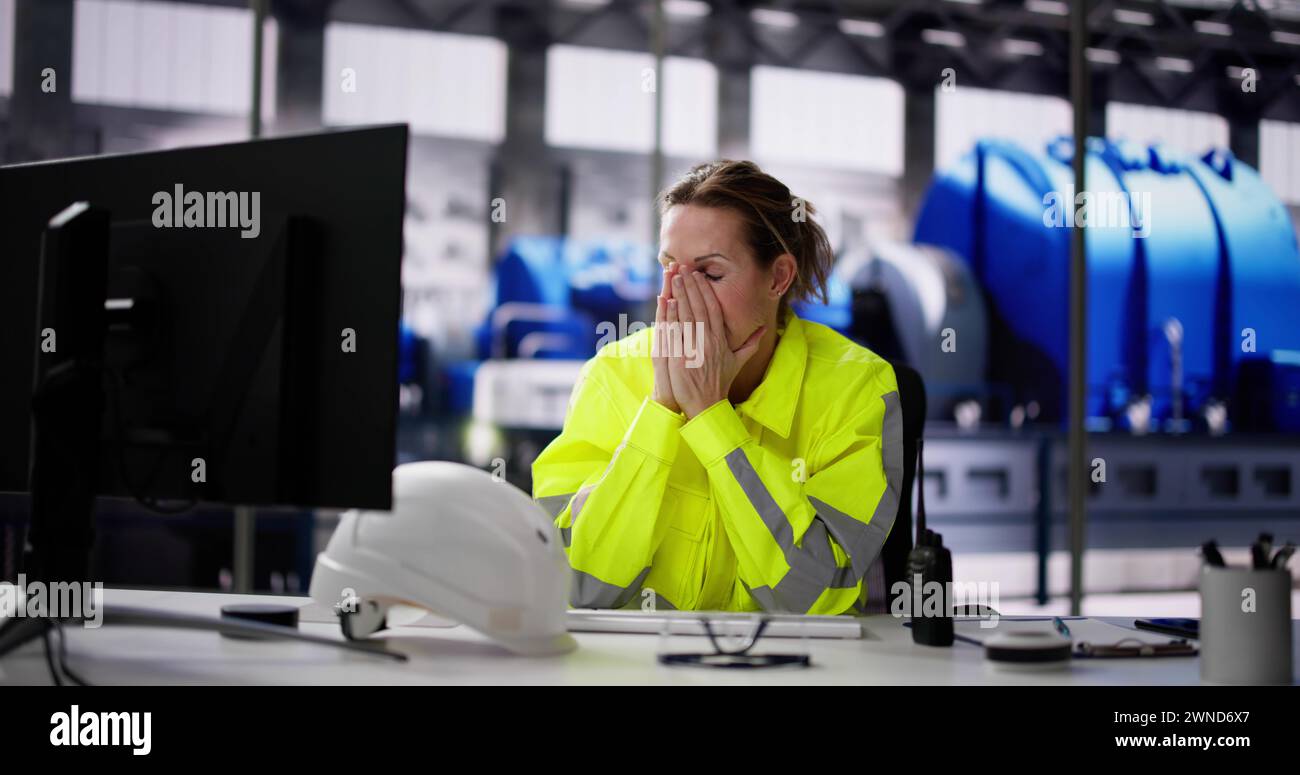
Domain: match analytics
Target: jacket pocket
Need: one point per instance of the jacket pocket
(688, 512)
(678, 557)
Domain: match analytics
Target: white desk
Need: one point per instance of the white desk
(458, 655)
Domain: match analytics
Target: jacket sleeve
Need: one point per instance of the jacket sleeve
(805, 546)
(603, 481)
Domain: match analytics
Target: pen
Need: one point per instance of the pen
(1283, 555)
(1258, 555)
(1266, 543)
(1060, 626)
(1210, 551)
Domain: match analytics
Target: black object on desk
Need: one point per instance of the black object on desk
(262, 613)
(930, 561)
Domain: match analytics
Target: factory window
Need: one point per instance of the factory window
(964, 115)
(826, 120)
(168, 56)
(440, 83)
(6, 46)
(1190, 131)
(1279, 158)
(604, 99)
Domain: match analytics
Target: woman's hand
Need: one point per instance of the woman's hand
(662, 345)
(703, 376)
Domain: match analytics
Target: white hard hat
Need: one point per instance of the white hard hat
(459, 543)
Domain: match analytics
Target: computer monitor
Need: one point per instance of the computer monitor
(215, 324)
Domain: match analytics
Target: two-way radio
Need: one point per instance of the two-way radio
(930, 561)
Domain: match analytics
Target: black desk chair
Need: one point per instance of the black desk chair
(891, 566)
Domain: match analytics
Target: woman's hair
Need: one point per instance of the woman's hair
(775, 220)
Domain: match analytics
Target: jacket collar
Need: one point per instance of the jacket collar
(773, 402)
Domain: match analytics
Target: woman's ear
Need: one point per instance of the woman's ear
(784, 271)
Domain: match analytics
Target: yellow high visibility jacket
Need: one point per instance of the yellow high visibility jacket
(781, 503)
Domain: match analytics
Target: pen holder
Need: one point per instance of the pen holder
(1245, 625)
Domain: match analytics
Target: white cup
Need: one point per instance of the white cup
(1245, 635)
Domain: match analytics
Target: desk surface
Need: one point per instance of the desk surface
(458, 655)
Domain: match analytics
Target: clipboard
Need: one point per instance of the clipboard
(1092, 638)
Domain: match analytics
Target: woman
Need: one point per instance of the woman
(749, 460)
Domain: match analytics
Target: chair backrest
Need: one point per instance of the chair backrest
(891, 566)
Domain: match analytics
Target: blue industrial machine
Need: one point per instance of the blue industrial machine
(557, 299)
(552, 293)
(1193, 271)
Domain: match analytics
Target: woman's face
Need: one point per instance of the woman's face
(709, 240)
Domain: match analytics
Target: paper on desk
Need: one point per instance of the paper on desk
(1093, 631)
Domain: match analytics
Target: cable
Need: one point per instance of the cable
(63, 657)
(60, 671)
(49, 656)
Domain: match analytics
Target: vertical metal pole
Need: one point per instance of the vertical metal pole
(245, 533)
(40, 123)
(1077, 375)
(258, 7)
(1043, 518)
(657, 154)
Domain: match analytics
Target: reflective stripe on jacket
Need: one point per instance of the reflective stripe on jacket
(781, 503)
